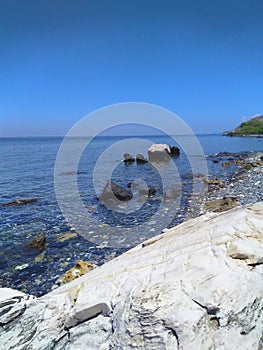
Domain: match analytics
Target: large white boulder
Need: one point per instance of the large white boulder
(159, 151)
(197, 286)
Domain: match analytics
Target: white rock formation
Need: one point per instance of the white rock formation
(159, 151)
(197, 286)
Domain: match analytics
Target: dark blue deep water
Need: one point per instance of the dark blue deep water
(27, 172)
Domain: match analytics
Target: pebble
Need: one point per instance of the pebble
(21, 267)
(248, 188)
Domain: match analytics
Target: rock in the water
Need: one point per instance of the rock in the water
(38, 242)
(172, 194)
(223, 204)
(140, 159)
(149, 192)
(65, 236)
(159, 152)
(162, 152)
(128, 158)
(225, 164)
(19, 202)
(197, 286)
(80, 268)
(174, 151)
(112, 191)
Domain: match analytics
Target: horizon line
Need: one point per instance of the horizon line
(121, 135)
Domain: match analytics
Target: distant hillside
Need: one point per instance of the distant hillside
(252, 127)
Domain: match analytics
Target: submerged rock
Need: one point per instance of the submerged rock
(38, 242)
(226, 164)
(112, 191)
(197, 286)
(148, 192)
(172, 193)
(65, 236)
(19, 202)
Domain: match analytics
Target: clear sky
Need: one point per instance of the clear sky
(62, 59)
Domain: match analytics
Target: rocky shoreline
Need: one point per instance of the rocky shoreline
(197, 286)
(44, 260)
(245, 183)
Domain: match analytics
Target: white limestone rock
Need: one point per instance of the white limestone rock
(159, 151)
(197, 286)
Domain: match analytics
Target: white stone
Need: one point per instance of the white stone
(159, 147)
(197, 286)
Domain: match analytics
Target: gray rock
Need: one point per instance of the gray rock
(113, 191)
(159, 152)
(149, 192)
(197, 286)
(19, 202)
(128, 158)
(162, 152)
(140, 159)
(222, 204)
(38, 242)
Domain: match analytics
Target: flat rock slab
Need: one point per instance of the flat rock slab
(197, 286)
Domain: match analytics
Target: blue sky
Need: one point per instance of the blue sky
(63, 59)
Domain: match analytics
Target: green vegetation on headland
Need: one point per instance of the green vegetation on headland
(253, 127)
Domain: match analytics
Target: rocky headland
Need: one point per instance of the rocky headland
(253, 128)
(197, 286)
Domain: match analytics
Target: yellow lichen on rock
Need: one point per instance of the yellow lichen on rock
(81, 268)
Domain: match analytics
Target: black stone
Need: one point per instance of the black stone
(113, 191)
(140, 159)
(150, 192)
(19, 202)
(174, 151)
(128, 158)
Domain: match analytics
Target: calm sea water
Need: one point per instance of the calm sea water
(27, 171)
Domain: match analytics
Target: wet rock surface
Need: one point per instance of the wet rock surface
(149, 192)
(19, 202)
(128, 158)
(35, 271)
(140, 159)
(174, 151)
(113, 191)
(38, 242)
(189, 288)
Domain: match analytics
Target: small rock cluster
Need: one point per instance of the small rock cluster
(157, 152)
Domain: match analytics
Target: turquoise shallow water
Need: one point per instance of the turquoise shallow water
(27, 171)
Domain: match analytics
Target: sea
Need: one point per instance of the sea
(65, 180)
